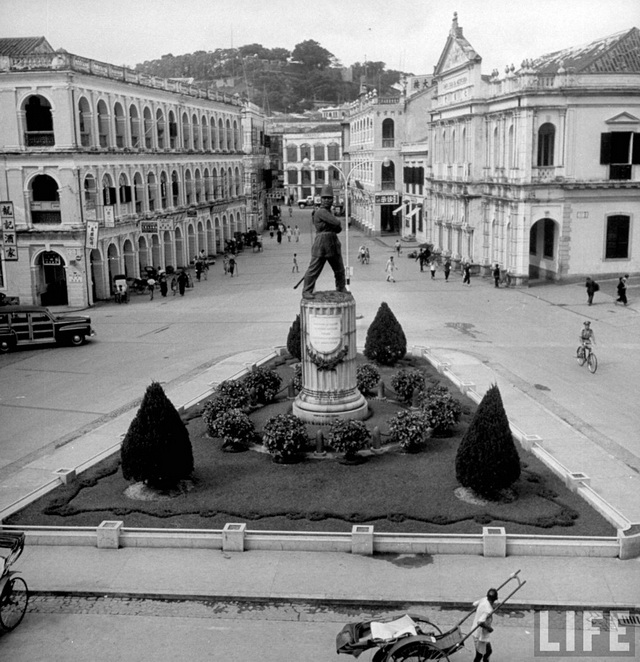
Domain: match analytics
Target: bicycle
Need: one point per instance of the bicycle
(584, 354)
(14, 594)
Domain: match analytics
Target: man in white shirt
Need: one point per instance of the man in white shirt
(482, 621)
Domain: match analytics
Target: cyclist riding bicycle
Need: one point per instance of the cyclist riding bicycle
(587, 336)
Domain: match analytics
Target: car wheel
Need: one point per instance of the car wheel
(77, 339)
(5, 346)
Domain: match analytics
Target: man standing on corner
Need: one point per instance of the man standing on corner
(326, 246)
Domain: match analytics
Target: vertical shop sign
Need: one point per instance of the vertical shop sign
(8, 237)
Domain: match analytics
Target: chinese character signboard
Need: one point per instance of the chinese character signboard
(8, 237)
(149, 227)
(386, 198)
(91, 240)
(109, 217)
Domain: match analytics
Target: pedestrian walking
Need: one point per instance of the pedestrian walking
(483, 623)
(296, 232)
(183, 281)
(271, 230)
(162, 281)
(279, 235)
(592, 288)
(295, 264)
(225, 263)
(398, 246)
(289, 233)
(447, 270)
(174, 285)
(496, 275)
(390, 267)
(290, 211)
(432, 269)
(232, 265)
(151, 285)
(466, 274)
(622, 290)
(198, 270)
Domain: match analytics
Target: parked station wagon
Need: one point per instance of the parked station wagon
(34, 325)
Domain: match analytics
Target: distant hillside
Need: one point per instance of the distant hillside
(277, 79)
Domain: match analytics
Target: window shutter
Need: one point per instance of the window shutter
(173, 129)
(605, 148)
(174, 188)
(109, 195)
(635, 155)
(125, 194)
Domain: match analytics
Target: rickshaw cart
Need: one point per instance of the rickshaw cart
(409, 637)
(14, 594)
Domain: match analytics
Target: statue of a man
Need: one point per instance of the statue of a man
(326, 246)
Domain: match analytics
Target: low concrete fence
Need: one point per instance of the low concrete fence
(363, 539)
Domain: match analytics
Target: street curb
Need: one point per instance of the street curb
(351, 604)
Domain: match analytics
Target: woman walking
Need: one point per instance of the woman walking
(466, 274)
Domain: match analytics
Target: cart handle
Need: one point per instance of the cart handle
(512, 576)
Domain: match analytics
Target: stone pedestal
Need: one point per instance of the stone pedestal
(328, 338)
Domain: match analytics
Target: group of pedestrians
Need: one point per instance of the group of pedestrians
(621, 288)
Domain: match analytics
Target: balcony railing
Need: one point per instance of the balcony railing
(619, 172)
(39, 139)
(388, 142)
(388, 185)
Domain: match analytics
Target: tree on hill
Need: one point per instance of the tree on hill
(487, 460)
(386, 342)
(156, 449)
(312, 55)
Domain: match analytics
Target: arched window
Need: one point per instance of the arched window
(124, 194)
(510, 147)
(160, 128)
(134, 121)
(388, 176)
(208, 191)
(148, 128)
(164, 193)
(198, 178)
(220, 134)
(103, 124)
(237, 180)
(173, 131)
(206, 146)
(496, 148)
(292, 153)
(292, 176)
(333, 152)
(196, 132)
(305, 152)
(45, 200)
(39, 123)
(388, 133)
(138, 193)
(175, 189)
(186, 136)
(152, 191)
(318, 152)
(84, 122)
(546, 142)
(119, 123)
(90, 192)
(188, 187)
(228, 136)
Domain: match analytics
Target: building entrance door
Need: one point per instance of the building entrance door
(52, 280)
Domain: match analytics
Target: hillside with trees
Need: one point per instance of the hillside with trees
(277, 79)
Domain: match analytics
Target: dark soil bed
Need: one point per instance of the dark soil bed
(396, 492)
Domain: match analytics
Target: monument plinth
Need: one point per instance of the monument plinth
(328, 339)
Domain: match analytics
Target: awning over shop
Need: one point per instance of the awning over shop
(399, 209)
(413, 212)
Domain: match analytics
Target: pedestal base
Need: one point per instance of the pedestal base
(324, 410)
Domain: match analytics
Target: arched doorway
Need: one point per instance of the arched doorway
(99, 288)
(191, 237)
(179, 249)
(143, 255)
(168, 249)
(155, 252)
(543, 250)
(113, 261)
(51, 279)
(129, 259)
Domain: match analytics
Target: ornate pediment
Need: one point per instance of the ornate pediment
(623, 118)
(453, 57)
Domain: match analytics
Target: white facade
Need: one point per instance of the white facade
(109, 171)
(538, 169)
(307, 158)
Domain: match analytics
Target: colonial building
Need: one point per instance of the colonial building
(374, 130)
(306, 159)
(106, 171)
(537, 169)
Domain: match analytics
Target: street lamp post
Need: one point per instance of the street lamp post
(345, 178)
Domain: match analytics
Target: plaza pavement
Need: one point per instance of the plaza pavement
(604, 454)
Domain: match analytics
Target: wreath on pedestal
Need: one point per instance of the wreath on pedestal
(327, 364)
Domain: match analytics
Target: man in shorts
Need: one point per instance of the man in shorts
(482, 621)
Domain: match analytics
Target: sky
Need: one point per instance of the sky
(407, 35)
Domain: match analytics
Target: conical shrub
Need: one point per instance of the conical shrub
(294, 346)
(386, 342)
(156, 449)
(487, 460)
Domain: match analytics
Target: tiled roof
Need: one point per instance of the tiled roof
(19, 46)
(619, 52)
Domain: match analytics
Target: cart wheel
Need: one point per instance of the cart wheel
(418, 651)
(13, 603)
